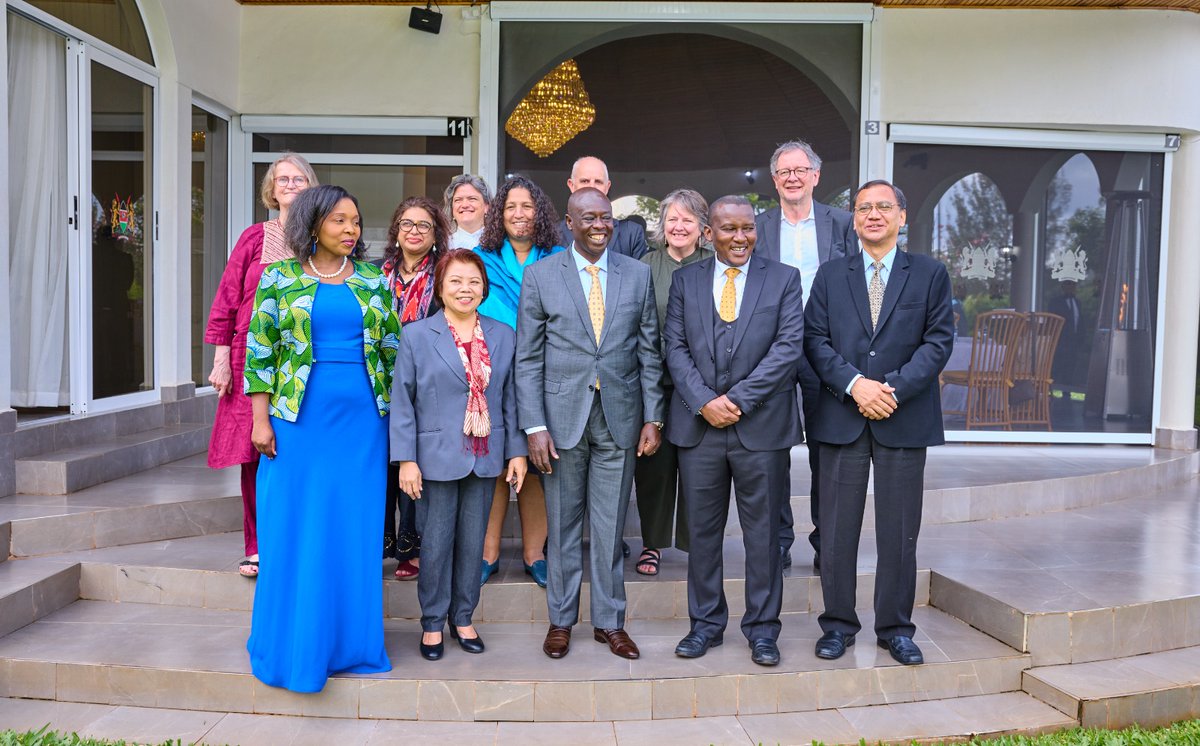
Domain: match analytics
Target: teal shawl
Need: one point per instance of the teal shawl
(504, 275)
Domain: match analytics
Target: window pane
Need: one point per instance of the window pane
(210, 240)
(378, 190)
(117, 22)
(122, 234)
(1072, 235)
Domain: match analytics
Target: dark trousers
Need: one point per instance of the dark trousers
(760, 483)
(250, 506)
(809, 390)
(589, 481)
(899, 487)
(453, 518)
(660, 501)
(408, 515)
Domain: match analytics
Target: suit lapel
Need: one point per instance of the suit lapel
(708, 312)
(769, 240)
(570, 274)
(446, 349)
(858, 291)
(895, 284)
(755, 280)
(824, 222)
(612, 293)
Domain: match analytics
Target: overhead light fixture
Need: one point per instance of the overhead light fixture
(554, 111)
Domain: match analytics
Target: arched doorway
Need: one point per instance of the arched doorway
(698, 105)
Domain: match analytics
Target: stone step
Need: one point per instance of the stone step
(1148, 690)
(986, 715)
(30, 590)
(68, 470)
(183, 498)
(1073, 636)
(195, 659)
(201, 572)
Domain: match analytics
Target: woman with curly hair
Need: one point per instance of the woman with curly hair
(417, 237)
(321, 349)
(521, 227)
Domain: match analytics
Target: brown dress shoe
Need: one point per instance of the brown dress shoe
(618, 642)
(558, 641)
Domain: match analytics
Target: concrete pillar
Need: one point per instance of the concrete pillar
(173, 297)
(1181, 316)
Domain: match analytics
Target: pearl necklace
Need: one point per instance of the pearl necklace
(321, 274)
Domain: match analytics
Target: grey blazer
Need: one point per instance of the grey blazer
(429, 400)
(835, 233)
(559, 359)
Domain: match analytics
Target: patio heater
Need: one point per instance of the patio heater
(1121, 365)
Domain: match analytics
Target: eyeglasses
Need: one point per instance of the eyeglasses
(285, 180)
(787, 173)
(883, 207)
(422, 227)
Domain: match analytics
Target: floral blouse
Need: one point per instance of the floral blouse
(279, 352)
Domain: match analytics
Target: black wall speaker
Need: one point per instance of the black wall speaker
(424, 19)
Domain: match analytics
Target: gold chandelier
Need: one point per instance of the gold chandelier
(554, 111)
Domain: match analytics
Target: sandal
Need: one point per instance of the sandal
(248, 568)
(408, 570)
(650, 559)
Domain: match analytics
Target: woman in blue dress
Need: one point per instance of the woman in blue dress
(520, 228)
(318, 371)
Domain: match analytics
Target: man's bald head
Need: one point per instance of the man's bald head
(589, 171)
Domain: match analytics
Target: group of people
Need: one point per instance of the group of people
(506, 351)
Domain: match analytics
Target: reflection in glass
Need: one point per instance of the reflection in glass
(1068, 233)
(122, 234)
(210, 240)
(378, 190)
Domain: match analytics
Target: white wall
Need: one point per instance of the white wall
(1125, 69)
(302, 59)
(206, 40)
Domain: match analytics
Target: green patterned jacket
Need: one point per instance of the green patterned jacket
(279, 352)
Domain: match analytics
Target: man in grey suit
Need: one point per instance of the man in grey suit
(589, 397)
(628, 237)
(734, 331)
(805, 234)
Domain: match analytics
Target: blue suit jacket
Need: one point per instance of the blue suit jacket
(908, 349)
(429, 401)
(767, 342)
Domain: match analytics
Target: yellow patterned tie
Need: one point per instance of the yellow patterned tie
(596, 302)
(728, 308)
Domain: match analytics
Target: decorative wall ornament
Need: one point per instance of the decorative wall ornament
(122, 221)
(978, 262)
(554, 111)
(1069, 265)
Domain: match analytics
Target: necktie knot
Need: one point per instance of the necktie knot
(878, 265)
(592, 270)
(732, 273)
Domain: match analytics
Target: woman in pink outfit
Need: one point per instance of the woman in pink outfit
(259, 245)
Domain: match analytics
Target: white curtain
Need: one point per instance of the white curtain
(37, 201)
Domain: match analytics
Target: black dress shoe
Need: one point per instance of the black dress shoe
(785, 558)
(696, 644)
(764, 652)
(903, 650)
(832, 645)
(433, 652)
(468, 644)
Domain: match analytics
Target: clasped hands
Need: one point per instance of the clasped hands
(875, 400)
(721, 412)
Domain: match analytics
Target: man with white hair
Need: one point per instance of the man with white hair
(628, 237)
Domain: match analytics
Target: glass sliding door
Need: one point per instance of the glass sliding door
(122, 232)
(209, 221)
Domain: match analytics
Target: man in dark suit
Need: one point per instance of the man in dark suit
(1066, 356)
(805, 234)
(733, 333)
(878, 331)
(589, 397)
(628, 237)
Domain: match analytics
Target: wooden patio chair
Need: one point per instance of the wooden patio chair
(1032, 377)
(988, 379)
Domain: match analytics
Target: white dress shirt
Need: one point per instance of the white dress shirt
(739, 283)
(798, 248)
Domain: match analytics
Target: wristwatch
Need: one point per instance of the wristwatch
(657, 424)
